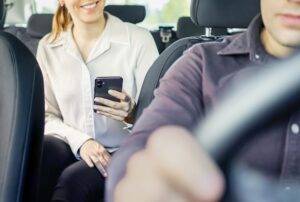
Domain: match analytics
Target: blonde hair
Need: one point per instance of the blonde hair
(61, 21)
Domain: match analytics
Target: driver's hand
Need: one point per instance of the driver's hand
(172, 168)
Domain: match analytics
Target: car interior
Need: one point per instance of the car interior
(39, 25)
(22, 92)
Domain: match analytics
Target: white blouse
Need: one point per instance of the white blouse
(123, 49)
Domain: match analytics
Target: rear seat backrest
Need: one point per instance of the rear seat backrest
(39, 25)
(21, 34)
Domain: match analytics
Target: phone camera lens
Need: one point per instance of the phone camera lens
(99, 83)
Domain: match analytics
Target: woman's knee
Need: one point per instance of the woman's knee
(55, 144)
(79, 182)
(79, 174)
(55, 149)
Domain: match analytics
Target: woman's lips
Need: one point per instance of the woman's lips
(90, 6)
(290, 20)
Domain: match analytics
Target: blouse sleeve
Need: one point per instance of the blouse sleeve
(54, 124)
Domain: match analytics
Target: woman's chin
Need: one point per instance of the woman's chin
(91, 20)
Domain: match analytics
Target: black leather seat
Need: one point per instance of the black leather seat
(37, 27)
(128, 13)
(186, 28)
(21, 120)
(204, 13)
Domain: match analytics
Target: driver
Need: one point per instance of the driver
(163, 162)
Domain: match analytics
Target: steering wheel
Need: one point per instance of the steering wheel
(254, 108)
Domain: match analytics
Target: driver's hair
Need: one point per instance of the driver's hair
(61, 21)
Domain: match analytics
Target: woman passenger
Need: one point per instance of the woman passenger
(86, 43)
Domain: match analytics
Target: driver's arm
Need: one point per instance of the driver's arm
(178, 101)
(172, 167)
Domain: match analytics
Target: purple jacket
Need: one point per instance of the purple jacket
(190, 88)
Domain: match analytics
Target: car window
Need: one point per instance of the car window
(159, 12)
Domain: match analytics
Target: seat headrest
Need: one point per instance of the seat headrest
(2, 13)
(186, 28)
(127, 13)
(224, 13)
(39, 25)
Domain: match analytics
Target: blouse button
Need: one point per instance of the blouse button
(295, 128)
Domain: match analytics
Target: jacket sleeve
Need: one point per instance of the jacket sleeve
(54, 124)
(178, 101)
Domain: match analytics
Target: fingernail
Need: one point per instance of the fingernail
(127, 98)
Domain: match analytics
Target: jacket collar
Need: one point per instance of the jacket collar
(249, 43)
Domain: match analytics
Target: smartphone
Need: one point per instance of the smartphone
(104, 84)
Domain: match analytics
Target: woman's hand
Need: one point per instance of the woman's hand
(119, 111)
(93, 153)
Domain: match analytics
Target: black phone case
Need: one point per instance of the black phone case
(104, 84)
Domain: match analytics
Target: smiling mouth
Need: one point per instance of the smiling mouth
(89, 5)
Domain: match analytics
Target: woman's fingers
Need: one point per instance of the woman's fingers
(111, 111)
(94, 154)
(101, 152)
(120, 95)
(88, 161)
(118, 118)
(84, 153)
(109, 103)
(99, 163)
(115, 110)
(107, 156)
(103, 161)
